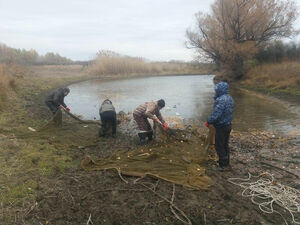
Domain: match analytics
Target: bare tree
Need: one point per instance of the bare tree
(234, 30)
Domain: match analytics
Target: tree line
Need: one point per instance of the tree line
(31, 57)
(277, 51)
(234, 31)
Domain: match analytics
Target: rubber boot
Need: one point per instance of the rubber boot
(142, 136)
(101, 131)
(150, 135)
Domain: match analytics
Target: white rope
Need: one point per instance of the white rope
(265, 191)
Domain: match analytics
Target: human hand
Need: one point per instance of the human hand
(165, 126)
(156, 120)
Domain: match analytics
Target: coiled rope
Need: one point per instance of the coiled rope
(265, 191)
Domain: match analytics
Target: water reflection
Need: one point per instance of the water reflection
(190, 97)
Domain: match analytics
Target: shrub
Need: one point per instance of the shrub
(111, 63)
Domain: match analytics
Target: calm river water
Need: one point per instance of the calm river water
(190, 97)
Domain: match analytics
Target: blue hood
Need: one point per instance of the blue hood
(223, 107)
(221, 88)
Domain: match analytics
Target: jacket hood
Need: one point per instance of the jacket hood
(66, 90)
(221, 88)
(107, 101)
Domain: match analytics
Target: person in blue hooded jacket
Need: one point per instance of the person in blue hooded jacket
(221, 118)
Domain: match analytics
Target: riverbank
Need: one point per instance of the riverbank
(42, 181)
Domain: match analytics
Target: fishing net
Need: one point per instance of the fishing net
(177, 156)
(177, 160)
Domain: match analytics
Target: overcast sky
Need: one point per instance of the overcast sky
(77, 29)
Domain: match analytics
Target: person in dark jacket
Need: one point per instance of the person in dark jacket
(55, 100)
(221, 118)
(149, 110)
(108, 118)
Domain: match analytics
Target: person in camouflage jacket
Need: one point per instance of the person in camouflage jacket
(149, 110)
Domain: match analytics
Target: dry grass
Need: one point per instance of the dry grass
(9, 73)
(57, 71)
(124, 65)
(281, 76)
(6, 77)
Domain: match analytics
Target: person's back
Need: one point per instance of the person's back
(106, 106)
(108, 118)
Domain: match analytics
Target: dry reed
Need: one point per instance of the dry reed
(285, 75)
(124, 65)
(9, 73)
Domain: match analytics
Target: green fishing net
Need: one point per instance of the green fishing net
(178, 161)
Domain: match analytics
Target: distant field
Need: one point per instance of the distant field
(57, 71)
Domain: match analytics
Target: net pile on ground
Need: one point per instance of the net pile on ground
(178, 162)
(265, 192)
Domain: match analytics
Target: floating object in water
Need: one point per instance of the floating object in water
(167, 109)
(177, 114)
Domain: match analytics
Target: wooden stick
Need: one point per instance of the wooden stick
(268, 164)
(172, 206)
(119, 172)
(89, 220)
(113, 189)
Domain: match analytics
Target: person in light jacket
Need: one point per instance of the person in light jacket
(108, 118)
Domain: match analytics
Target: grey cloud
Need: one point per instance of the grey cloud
(154, 29)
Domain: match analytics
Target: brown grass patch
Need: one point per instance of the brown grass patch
(285, 75)
(57, 71)
(115, 64)
(9, 73)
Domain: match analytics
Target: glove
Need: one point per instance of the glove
(206, 124)
(60, 107)
(165, 126)
(68, 109)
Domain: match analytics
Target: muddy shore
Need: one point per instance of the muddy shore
(42, 181)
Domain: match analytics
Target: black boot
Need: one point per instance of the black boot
(102, 131)
(142, 136)
(150, 135)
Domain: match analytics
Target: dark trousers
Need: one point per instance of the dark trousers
(53, 108)
(108, 118)
(222, 144)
